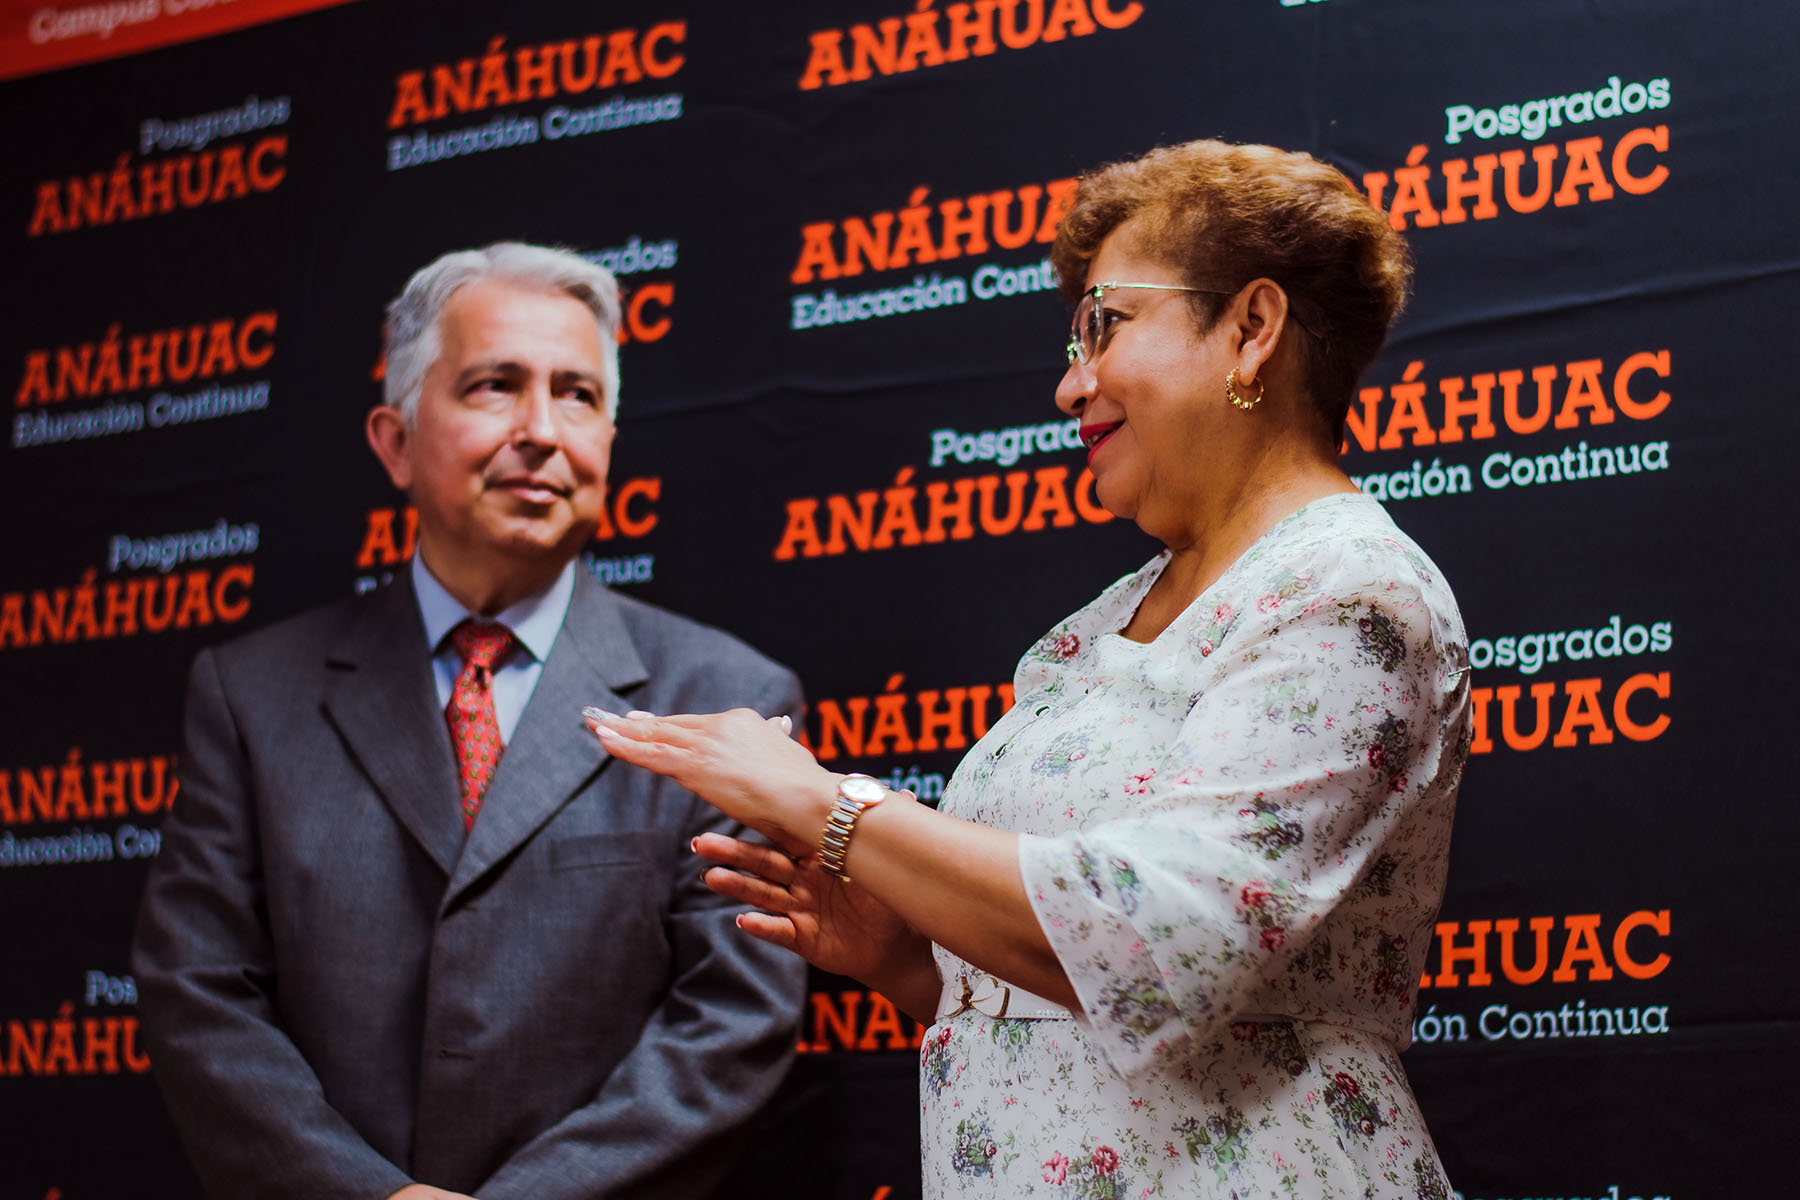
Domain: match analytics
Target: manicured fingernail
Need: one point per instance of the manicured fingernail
(738, 920)
(787, 724)
(607, 733)
(590, 713)
(638, 714)
(694, 845)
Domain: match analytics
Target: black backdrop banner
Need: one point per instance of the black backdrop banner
(838, 441)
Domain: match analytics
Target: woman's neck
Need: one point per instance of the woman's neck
(1219, 534)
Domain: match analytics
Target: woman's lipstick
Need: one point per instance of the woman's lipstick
(1093, 435)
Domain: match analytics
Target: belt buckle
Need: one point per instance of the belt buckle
(969, 1001)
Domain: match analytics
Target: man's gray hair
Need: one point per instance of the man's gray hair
(412, 317)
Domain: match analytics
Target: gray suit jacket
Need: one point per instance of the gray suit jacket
(342, 994)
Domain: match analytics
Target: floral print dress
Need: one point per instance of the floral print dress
(1235, 841)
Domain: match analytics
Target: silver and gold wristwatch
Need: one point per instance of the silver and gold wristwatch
(854, 794)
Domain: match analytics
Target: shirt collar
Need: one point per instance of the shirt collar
(535, 620)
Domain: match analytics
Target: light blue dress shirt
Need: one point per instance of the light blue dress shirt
(535, 621)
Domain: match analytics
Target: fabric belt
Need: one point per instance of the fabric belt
(977, 991)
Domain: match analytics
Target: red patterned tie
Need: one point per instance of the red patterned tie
(474, 730)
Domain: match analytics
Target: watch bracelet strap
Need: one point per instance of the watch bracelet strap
(834, 843)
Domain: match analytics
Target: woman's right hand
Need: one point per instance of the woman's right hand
(835, 926)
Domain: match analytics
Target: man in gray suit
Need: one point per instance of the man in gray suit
(380, 957)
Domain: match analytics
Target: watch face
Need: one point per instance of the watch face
(861, 789)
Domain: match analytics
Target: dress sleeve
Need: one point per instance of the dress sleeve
(1277, 855)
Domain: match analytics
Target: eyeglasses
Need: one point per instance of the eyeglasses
(1088, 327)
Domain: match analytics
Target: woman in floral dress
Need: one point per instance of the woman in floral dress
(1169, 916)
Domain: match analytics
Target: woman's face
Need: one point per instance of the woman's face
(1150, 399)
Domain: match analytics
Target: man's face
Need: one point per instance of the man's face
(506, 458)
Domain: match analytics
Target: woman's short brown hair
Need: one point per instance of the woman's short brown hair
(1225, 214)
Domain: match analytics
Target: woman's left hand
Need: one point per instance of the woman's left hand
(738, 762)
(834, 925)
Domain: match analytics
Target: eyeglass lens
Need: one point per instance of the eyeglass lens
(1084, 329)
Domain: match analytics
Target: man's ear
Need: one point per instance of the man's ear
(390, 438)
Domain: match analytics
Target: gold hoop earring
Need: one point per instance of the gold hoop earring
(1238, 401)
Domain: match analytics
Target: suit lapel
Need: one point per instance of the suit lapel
(552, 756)
(383, 702)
